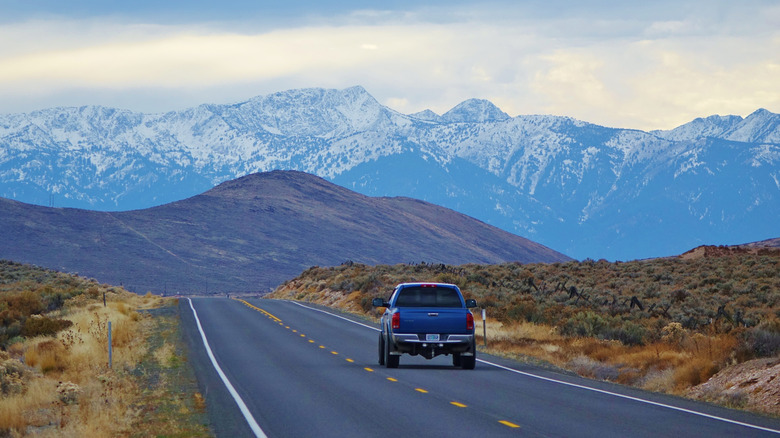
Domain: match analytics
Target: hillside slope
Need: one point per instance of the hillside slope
(251, 234)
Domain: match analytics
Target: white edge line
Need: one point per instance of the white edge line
(641, 400)
(239, 401)
(615, 394)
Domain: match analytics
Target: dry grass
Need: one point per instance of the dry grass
(18, 411)
(166, 355)
(94, 400)
(64, 386)
(55, 379)
(660, 366)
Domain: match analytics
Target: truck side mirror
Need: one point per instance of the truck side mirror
(471, 303)
(379, 302)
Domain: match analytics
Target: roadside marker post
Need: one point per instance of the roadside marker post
(484, 328)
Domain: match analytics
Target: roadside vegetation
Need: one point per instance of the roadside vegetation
(665, 325)
(54, 373)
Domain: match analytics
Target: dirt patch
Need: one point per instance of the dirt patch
(754, 385)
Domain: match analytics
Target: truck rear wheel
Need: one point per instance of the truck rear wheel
(456, 359)
(469, 362)
(381, 349)
(390, 361)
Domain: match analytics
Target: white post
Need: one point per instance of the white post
(484, 328)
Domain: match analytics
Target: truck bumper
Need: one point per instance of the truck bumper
(447, 344)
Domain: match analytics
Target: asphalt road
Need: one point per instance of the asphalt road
(287, 370)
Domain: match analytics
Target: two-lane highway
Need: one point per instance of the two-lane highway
(297, 371)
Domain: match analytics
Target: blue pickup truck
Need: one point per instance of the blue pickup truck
(427, 319)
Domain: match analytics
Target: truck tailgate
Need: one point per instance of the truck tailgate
(433, 320)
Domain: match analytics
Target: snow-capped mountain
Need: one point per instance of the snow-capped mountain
(760, 127)
(582, 189)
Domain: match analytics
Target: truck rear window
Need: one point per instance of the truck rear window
(428, 297)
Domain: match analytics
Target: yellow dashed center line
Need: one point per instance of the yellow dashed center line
(370, 370)
(259, 310)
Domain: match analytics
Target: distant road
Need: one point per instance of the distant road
(297, 371)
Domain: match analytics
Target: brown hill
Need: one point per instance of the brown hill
(251, 234)
(769, 243)
(765, 247)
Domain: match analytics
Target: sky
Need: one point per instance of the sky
(648, 65)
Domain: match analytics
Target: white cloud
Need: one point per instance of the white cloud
(626, 71)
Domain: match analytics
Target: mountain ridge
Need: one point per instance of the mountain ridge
(560, 181)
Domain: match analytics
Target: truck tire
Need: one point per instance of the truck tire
(456, 359)
(469, 362)
(381, 349)
(390, 361)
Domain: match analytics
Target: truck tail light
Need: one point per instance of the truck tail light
(469, 321)
(397, 320)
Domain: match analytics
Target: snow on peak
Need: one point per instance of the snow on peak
(427, 115)
(317, 111)
(760, 126)
(712, 126)
(475, 111)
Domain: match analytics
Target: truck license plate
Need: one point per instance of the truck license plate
(430, 337)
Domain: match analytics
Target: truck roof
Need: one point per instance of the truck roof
(425, 283)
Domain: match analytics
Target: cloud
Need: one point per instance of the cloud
(187, 59)
(611, 67)
(572, 77)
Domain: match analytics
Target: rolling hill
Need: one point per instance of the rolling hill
(250, 235)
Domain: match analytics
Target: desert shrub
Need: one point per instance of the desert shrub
(366, 303)
(367, 282)
(629, 333)
(524, 310)
(47, 356)
(674, 334)
(694, 372)
(54, 302)
(446, 277)
(22, 304)
(556, 314)
(13, 375)
(672, 290)
(585, 324)
(679, 295)
(8, 333)
(478, 278)
(763, 340)
(43, 326)
(585, 366)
